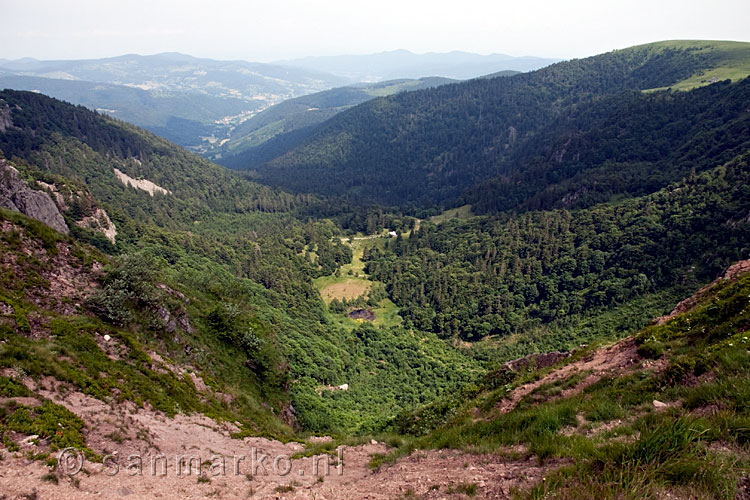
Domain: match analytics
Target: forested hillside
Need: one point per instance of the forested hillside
(429, 147)
(495, 276)
(623, 145)
(238, 253)
(303, 113)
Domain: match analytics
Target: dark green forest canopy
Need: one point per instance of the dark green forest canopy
(429, 147)
(624, 145)
(498, 275)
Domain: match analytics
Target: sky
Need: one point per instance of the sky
(272, 30)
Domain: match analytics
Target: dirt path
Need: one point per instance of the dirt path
(615, 359)
(124, 432)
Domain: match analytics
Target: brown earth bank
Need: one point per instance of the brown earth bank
(615, 359)
(143, 449)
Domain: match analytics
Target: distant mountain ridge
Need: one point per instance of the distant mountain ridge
(174, 71)
(405, 64)
(189, 100)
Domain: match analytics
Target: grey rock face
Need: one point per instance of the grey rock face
(16, 195)
(6, 122)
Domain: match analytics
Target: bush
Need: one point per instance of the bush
(50, 421)
(337, 307)
(9, 388)
(652, 349)
(127, 286)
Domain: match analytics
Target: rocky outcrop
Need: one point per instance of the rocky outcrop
(16, 195)
(56, 195)
(95, 218)
(99, 221)
(6, 121)
(144, 184)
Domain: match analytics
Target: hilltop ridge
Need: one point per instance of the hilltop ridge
(501, 142)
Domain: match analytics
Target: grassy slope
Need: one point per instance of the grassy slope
(41, 339)
(731, 60)
(462, 212)
(612, 440)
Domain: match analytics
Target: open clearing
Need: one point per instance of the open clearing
(733, 63)
(347, 288)
(353, 282)
(462, 212)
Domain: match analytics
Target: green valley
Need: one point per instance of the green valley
(459, 290)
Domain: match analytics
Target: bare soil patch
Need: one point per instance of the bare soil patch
(122, 431)
(613, 360)
(347, 289)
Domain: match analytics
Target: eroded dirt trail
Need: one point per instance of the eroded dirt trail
(612, 360)
(123, 431)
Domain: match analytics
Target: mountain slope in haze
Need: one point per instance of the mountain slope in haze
(180, 117)
(188, 100)
(307, 111)
(404, 64)
(428, 147)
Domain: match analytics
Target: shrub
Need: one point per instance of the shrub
(651, 349)
(127, 286)
(9, 388)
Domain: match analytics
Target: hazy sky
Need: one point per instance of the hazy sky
(276, 29)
